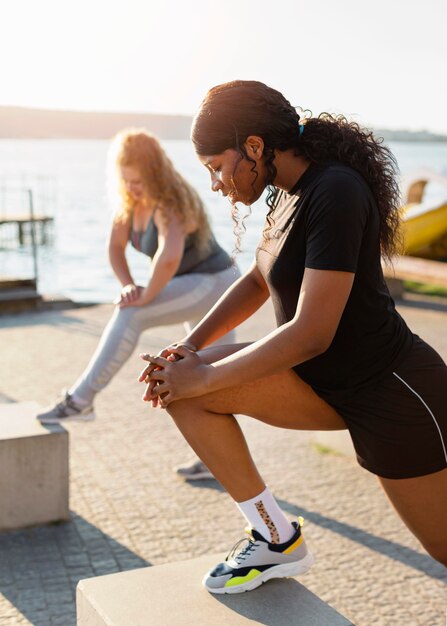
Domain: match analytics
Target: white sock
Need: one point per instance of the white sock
(264, 515)
(81, 402)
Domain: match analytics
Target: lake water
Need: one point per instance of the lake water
(68, 179)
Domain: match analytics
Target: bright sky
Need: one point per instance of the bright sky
(382, 61)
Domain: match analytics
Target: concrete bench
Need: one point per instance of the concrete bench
(172, 595)
(33, 468)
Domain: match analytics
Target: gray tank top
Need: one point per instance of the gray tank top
(213, 259)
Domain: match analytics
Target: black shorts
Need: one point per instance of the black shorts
(399, 425)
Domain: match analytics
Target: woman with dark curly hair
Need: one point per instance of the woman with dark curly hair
(341, 356)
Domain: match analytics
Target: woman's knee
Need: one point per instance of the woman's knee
(127, 317)
(184, 409)
(186, 415)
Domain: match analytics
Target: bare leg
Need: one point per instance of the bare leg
(208, 425)
(284, 400)
(422, 504)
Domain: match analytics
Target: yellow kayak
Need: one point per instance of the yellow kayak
(424, 223)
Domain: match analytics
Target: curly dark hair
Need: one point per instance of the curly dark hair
(233, 111)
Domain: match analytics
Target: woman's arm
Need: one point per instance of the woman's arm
(320, 306)
(119, 237)
(166, 261)
(239, 302)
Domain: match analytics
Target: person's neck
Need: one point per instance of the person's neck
(142, 214)
(144, 205)
(289, 168)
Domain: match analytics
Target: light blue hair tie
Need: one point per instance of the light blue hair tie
(301, 126)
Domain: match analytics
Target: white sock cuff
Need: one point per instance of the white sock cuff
(81, 402)
(264, 514)
(262, 495)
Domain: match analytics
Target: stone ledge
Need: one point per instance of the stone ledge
(172, 595)
(33, 468)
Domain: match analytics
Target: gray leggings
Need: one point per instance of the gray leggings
(185, 298)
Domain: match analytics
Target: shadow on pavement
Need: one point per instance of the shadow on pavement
(421, 562)
(40, 568)
(393, 550)
(275, 603)
(51, 318)
(4, 399)
(205, 483)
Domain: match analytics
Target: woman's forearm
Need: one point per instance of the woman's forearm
(320, 307)
(119, 265)
(163, 270)
(167, 259)
(280, 350)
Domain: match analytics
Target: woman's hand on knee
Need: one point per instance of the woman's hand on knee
(129, 294)
(180, 374)
(144, 376)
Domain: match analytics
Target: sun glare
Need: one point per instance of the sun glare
(163, 56)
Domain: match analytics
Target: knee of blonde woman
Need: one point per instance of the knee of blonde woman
(136, 317)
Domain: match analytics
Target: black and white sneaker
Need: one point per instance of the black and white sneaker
(259, 561)
(66, 411)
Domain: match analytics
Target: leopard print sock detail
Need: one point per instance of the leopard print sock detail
(267, 521)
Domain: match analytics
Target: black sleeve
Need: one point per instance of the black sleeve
(336, 221)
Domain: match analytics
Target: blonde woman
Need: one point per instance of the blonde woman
(163, 217)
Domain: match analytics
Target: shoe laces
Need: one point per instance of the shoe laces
(246, 551)
(67, 402)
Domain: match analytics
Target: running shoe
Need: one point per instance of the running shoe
(194, 471)
(66, 411)
(258, 562)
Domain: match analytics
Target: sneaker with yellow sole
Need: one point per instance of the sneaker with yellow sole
(259, 561)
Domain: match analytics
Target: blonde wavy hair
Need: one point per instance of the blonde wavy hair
(162, 183)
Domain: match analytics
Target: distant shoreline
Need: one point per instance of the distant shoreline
(413, 136)
(29, 123)
(24, 123)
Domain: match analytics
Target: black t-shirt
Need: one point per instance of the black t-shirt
(329, 221)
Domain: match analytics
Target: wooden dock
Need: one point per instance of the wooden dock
(24, 224)
(18, 294)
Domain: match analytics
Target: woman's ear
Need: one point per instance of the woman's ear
(254, 147)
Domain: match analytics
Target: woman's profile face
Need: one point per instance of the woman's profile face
(132, 181)
(234, 176)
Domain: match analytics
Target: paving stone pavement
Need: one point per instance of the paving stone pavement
(129, 510)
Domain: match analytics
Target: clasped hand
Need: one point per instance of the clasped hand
(175, 373)
(131, 295)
